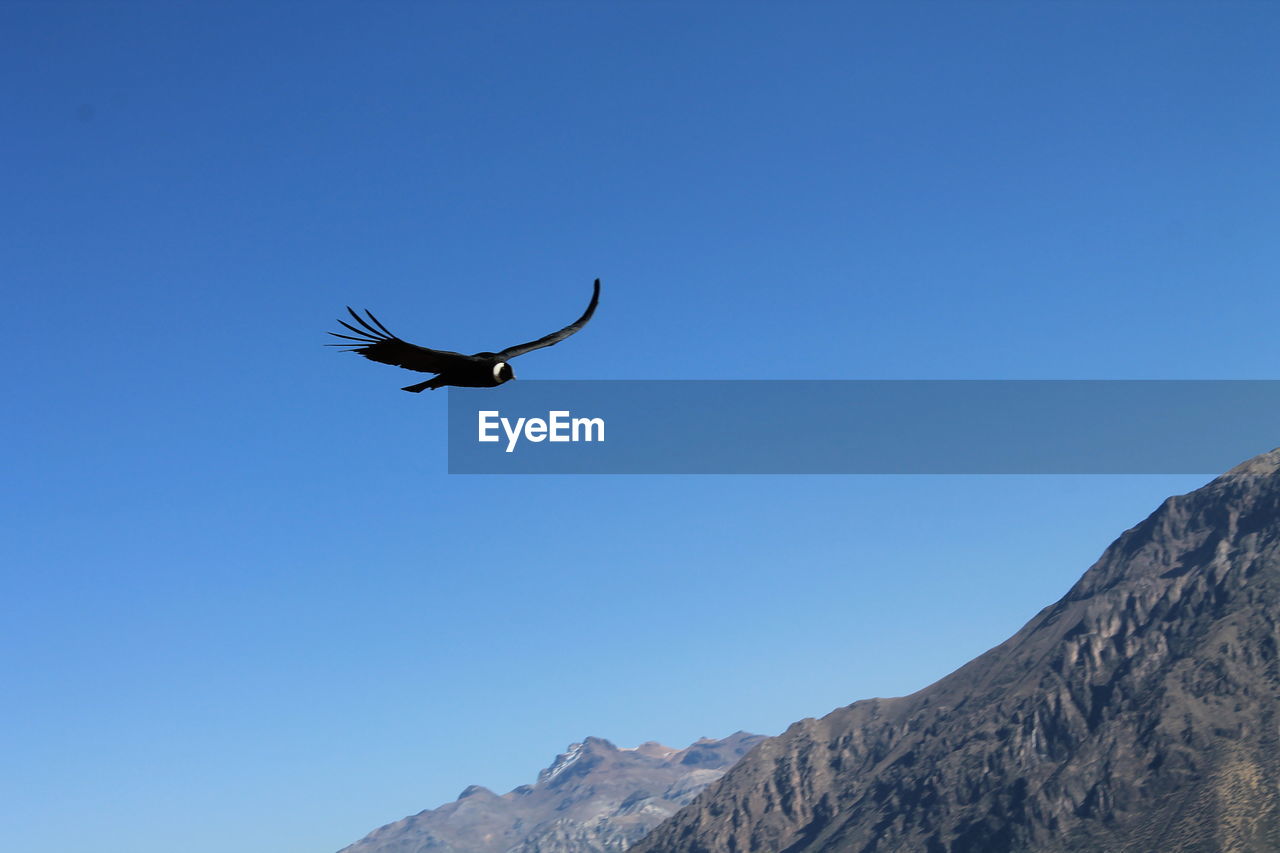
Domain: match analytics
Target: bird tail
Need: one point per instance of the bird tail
(432, 383)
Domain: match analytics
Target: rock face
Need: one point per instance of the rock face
(1139, 713)
(594, 798)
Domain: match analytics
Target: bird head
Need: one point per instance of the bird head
(502, 372)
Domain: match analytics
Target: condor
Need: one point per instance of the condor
(480, 370)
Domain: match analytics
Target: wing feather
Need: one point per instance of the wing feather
(384, 347)
(361, 332)
(556, 337)
(378, 322)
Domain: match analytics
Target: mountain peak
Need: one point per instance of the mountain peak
(475, 790)
(1262, 466)
(563, 762)
(653, 749)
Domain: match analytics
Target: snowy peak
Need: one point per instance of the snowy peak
(563, 762)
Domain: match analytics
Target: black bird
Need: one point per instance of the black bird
(481, 370)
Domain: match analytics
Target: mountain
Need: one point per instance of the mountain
(1139, 713)
(594, 798)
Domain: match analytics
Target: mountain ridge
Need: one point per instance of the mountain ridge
(1137, 713)
(593, 798)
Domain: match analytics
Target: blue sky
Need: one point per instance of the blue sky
(244, 604)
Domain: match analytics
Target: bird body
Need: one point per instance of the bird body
(483, 371)
(479, 370)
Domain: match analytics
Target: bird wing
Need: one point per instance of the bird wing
(378, 344)
(555, 337)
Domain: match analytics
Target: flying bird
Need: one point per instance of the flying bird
(480, 370)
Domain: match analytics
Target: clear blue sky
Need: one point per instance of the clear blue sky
(244, 606)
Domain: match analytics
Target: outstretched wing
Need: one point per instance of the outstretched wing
(555, 337)
(378, 344)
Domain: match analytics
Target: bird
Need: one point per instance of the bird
(478, 370)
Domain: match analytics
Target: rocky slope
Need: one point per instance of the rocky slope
(594, 798)
(1139, 713)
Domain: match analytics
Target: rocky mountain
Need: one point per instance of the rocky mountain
(594, 798)
(1139, 713)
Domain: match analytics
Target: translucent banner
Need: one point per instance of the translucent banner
(862, 427)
